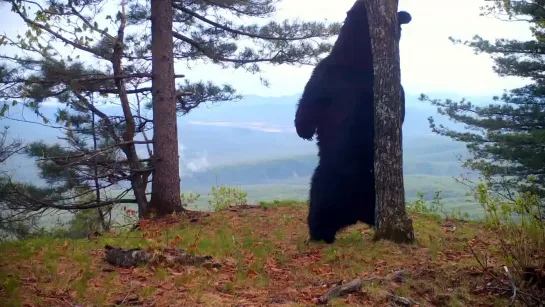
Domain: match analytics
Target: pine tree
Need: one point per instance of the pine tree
(165, 195)
(506, 139)
(89, 54)
(42, 72)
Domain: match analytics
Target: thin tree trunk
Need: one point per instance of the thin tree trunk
(165, 196)
(105, 226)
(138, 180)
(392, 220)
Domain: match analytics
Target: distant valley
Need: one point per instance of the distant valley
(252, 143)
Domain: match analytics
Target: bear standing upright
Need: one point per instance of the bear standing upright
(337, 105)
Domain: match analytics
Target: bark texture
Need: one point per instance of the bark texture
(393, 222)
(165, 196)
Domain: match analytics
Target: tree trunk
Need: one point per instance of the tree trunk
(139, 180)
(392, 220)
(165, 196)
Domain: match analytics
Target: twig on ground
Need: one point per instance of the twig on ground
(400, 300)
(355, 286)
(483, 265)
(125, 298)
(514, 296)
(128, 300)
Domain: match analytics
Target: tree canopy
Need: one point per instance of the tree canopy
(76, 53)
(506, 138)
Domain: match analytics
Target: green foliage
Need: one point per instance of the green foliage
(19, 229)
(520, 228)
(188, 199)
(10, 285)
(505, 138)
(521, 225)
(434, 207)
(420, 205)
(129, 217)
(223, 197)
(83, 223)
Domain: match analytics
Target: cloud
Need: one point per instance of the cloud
(190, 165)
(199, 164)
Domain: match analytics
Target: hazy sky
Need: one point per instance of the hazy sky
(429, 61)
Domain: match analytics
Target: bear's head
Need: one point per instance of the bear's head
(403, 18)
(358, 14)
(353, 45)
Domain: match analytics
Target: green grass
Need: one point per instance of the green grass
(263, 255)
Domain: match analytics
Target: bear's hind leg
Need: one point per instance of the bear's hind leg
(366, 209)
(322, 218)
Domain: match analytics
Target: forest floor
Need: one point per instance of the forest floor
(265, 261)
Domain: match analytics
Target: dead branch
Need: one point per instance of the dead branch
(127, 258)
(355, 286)
(401, 301)
(341, 290)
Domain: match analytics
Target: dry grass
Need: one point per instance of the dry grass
(265, 263)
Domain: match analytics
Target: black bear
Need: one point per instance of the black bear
(337, 105)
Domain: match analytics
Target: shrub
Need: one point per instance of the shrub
(421, 206)
(520, 225)
(223, 197)
(83, 223)
(189, 199)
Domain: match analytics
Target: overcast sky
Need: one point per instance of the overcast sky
(429, 61)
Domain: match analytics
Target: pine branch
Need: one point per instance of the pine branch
(101, 150)
(85, 78)
(253, 9)
(55, 34)
(239, 32)
(87, 22)
(217, 57)
(27, 202)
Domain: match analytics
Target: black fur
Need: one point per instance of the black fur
(337, 106)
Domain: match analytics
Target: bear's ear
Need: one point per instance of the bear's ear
(403, 17)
